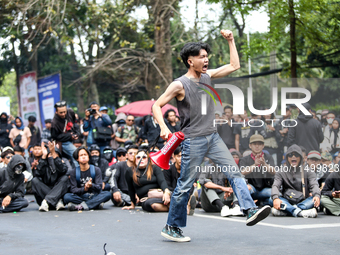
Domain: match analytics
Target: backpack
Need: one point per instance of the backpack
(92, 171)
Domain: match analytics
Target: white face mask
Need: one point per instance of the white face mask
(330, 121)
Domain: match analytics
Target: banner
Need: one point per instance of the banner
(49, 94)
(5, 105)
(29, 97)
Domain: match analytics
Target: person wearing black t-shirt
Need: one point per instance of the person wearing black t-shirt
(86, 188)
(119, 187)
(143, 178)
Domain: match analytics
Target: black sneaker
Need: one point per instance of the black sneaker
(256, 215)
(174, 234)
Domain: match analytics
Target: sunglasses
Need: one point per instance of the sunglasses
(61, 103)
(293, 154)
(121, 154)
(139, 157)
(8, 157)
(130, 120)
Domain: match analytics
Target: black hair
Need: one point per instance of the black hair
(76, 152)
(228, 107)
(18, 148)
(32, 118)
(37, 144)
(193, 49)
(133, 146)
(166, 114)
(177, 151)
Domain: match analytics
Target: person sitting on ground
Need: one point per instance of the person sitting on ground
(12, 188)
(50, 182)
(217, 195)
(6, 155)
(86, 184)
(326, 159)
(143, 180)
(171, 176)
(28, 173)
(297, 183)
(330, 194)
(100, 162)
(37, 154)
(258, 169)
(314, 165)
(119, 187)
(108, 154)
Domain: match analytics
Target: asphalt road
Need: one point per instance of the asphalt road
(138, 232)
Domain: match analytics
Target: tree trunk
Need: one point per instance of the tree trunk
(293, 61)
(160, 70)
(78, 85)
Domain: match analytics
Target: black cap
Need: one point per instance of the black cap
(121, 150)
(94, 147)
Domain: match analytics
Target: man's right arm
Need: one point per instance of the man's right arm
(175, 89)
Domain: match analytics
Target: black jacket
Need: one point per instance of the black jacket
(4, 126)
(332, 182)
(58, 126)
(48, 175)
(171, 176)
(103, 164)
(12, 184)
(118, 180)
(307, 133)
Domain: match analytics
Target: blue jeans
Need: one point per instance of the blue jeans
(92, 200)
(69, 148)
(263, 195)
(294, 210)
(193, 152)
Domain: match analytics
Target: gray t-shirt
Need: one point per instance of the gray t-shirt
(193, 123)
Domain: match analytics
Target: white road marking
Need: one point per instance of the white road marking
(307, 226)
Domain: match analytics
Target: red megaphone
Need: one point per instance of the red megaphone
(161, 158)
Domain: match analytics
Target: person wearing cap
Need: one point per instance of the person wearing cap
(12, 188)
(314, 165)
(120, 121)
(119, 186)
(326, 159)
(258, 169)
(331, 142)
(35, 131)
(307, 132)
(93, 119)
(46, 133)
(5, 128)
(50, 182)
(103, 110)
(288, 188)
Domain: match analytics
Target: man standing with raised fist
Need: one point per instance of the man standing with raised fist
(201, 137)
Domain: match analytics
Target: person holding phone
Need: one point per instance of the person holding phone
(330, 194)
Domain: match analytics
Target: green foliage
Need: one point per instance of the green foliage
(8, 89)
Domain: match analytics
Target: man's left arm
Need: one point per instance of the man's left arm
(234, 59)
(106, 120)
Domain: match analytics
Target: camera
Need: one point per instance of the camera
(92, 111)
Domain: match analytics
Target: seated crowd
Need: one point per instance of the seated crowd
(80, 166)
